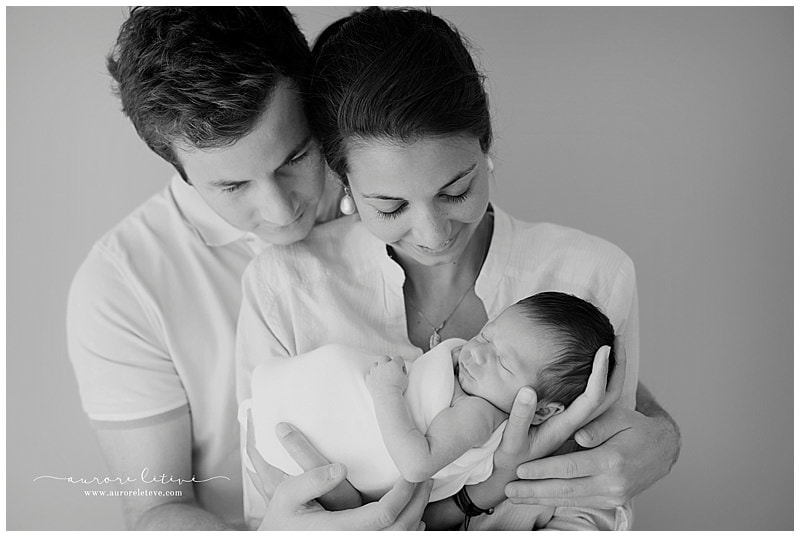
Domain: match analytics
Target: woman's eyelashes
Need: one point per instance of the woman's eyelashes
(390, 215)
(448, 198)
(458, 198)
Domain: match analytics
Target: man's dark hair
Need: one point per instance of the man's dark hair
(202, 76)
(578, 329)
(393, 75)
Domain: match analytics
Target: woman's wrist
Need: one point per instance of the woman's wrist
(492, 492)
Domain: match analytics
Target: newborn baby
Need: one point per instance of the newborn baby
(443, 418)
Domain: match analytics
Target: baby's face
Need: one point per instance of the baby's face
(507, 355)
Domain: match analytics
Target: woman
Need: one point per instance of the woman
(403, 121)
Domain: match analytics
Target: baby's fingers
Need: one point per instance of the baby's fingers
(399, 363)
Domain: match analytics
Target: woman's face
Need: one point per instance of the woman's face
(425, 199)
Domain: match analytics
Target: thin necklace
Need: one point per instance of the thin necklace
(436, 338)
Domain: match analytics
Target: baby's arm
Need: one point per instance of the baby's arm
(445, 515)
(468, 423)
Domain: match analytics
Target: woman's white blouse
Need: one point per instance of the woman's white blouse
(341, 286)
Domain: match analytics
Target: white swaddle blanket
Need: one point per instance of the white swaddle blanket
(324, 394)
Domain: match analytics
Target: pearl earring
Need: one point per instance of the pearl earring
(346, 204)
(490, 164)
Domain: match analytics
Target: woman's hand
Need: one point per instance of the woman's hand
(630, 451)
(387, 375)
(292, 500)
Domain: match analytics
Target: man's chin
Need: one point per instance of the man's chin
(286, 236)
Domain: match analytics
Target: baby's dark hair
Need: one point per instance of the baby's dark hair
(578, 329)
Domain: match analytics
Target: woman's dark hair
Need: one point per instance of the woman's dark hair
(578, 329)
(393, 75)
(202, 76)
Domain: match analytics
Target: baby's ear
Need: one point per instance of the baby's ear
(545, 411)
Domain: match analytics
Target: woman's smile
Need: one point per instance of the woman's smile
(442, 248)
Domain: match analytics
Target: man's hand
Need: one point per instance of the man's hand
(293, 506)
(522, 443)
(292, 500)
(344, 496)
(631, 451)
(387, 374)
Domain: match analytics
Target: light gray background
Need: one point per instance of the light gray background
(666, 130)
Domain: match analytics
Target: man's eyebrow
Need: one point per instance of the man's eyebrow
(460, 175)
(222, 183)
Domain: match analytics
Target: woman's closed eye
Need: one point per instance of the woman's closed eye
(458, 198)
(389, 215)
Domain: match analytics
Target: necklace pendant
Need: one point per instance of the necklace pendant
(435, 339)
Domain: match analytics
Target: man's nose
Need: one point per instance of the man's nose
(276, 203)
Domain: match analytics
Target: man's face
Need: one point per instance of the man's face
(270, 181)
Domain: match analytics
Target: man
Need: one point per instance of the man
(152, 311)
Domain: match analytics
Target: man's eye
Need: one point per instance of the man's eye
(299, 158)
(233, 187)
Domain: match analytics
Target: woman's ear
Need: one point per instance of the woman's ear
(545, 411)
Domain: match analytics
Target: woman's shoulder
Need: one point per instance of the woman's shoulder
(550, 240)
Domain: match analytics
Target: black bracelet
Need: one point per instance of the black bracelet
(465, 505)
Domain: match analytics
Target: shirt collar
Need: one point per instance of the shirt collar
(211, 227)
(496, 263)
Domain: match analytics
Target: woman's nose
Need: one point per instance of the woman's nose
(433, 230)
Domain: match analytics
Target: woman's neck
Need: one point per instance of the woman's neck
(423, 280)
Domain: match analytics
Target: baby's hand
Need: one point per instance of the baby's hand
(386, 375)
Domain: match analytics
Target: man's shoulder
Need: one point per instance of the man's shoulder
(330, 250)
(151, 234)
(153, 224)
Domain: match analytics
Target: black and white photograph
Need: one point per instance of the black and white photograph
(400, 268)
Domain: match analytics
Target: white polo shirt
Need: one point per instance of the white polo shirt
(151, 324)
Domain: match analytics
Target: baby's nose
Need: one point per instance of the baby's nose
(479, 356)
